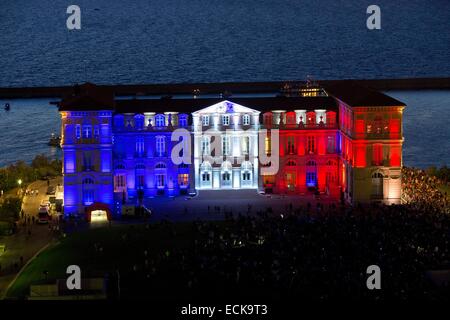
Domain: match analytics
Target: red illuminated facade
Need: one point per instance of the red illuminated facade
(350, 148)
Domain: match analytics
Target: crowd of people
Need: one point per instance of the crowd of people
(421, 191)
(304, 252)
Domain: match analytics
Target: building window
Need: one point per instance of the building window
(226, 176)
(160, 145)
(160, 165)
(139, 145)
(291, 163)
(96, 131)
(206, 176)
(205, 120)
(226, 145)
(183, 179)
(311, 179)
(246, 176)
(377, 155)
(331, 144)
(87, 161)
(160, 181)
(290, 118)
(87, 131)
(183, 121)
(291, 145)
(160, 120)
(119, 182)
(246, 120)
(88, 191)
(225, 120)
(78, 131)
(245, 145)
(206, 145)
(311, 145)
(140, 181)
(311, 173)
(377, 185)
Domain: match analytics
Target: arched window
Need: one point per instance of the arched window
(331, 163)
(377, 185)
(246, 165)
(268, 118)
(291, 163)
(226, 174)
(246, 173)
(139, 121)
(120, 166)
(88, 181)
(140, 166)
(290, 117)
(160, 165)
(311, 163)
(311, 118)
(206, 166)
(205, 174)
(160, 120)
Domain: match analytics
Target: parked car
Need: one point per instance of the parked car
(43, 215)
(51, 190)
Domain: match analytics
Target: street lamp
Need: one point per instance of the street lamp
(19, 182)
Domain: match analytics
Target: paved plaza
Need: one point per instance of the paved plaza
(205, 205)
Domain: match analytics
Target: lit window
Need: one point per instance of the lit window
(246, 120)
(160, 180)
(160, 120)
(226, 145)
(78, 131)
(331, 144)
(311, 145)
(291, 163)
(183, 121)
(206, 145)
(226, 176)
(96, 131)
(139, 146)
(245, 145)
(160, 165)
(291, 145)
(140, 181)
(160, 145)
(183, 179)
(205, 120)
(87, 131)
(205, 176)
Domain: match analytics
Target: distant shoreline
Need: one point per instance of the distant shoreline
(233, 87)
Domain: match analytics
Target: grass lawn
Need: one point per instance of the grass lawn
(121, 247)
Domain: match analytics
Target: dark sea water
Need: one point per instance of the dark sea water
(159, 41)
(26, 128)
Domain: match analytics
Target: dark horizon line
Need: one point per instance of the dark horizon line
(221, 87)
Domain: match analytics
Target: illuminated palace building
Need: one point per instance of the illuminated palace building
(340, 139)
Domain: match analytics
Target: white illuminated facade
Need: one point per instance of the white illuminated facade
(226, 147)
